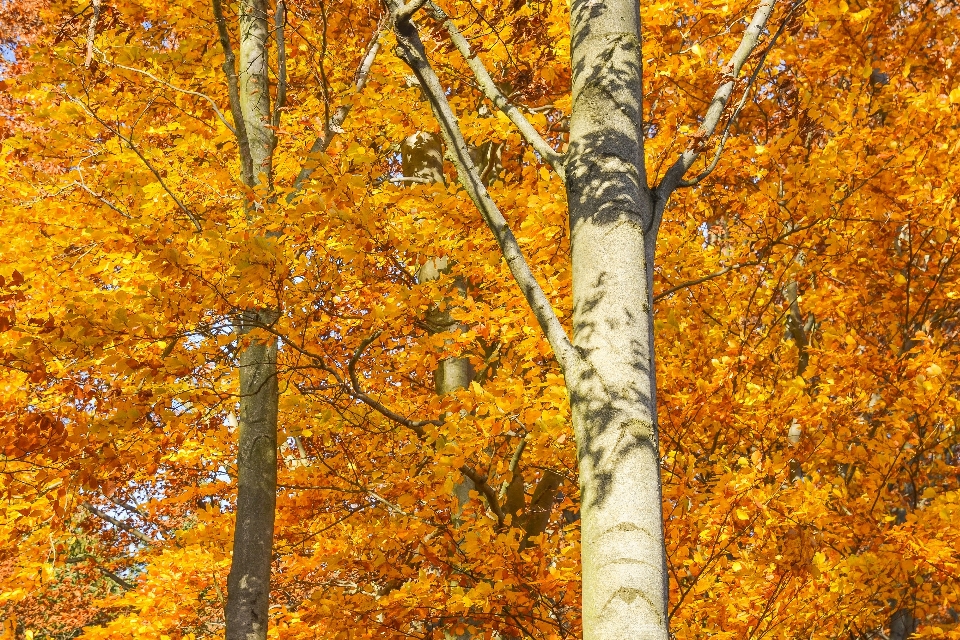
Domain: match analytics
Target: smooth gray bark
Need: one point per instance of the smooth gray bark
(248, 585)
(613, 390)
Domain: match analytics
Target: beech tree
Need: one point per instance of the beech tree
(615, 215)
(263, 366)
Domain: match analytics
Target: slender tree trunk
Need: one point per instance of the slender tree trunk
(613, 387)
(248, 586)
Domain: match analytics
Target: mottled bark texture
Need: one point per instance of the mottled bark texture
(248, 585)
(613, 387)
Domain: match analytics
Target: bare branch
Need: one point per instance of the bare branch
(139, 535)
(671, 180)
(335, 125)
(210, 100)
(405, 179)
(410, 48)
(233, 89)
(493, 93)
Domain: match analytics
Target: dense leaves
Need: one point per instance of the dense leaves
(807, 302)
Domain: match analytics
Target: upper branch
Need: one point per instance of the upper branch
(674, 176)
(493, 93)
(233, 88)
(410, 49)
(743, 100)
(279, 24)
(335, 125)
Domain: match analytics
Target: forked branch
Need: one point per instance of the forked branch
(335, 125)
(410, 49)
(672, 179)
(743, 100)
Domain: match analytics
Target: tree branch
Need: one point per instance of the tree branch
(139, 535)
(514, 463)
(707, 278)
(405, 12)
(280, 22)
(210, 100)
(150, 167)
(743, 100)
(537, 516)
(671, 180)
(335, 126)
(353, 389)
(92, 33)
(493, 93)
(110, 574)
(480, 481)
(233, 89)
(410, 49)
(488, 492)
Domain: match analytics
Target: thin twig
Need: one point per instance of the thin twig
(707, 278)
(210, 100)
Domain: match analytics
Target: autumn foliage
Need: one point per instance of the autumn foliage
(807, 315)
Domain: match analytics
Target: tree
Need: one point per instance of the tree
(802, 303)
(615, 216)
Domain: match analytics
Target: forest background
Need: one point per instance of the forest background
(190, 234)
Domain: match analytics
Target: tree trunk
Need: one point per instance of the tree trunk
(248, 585)
(613, 387)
